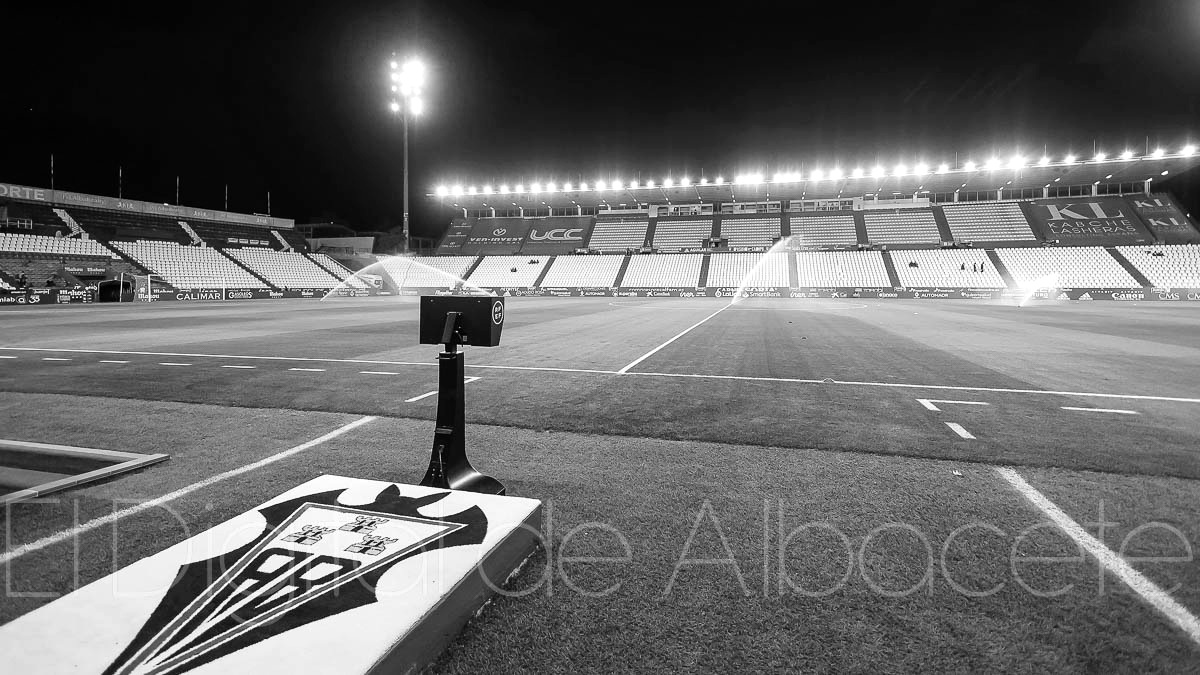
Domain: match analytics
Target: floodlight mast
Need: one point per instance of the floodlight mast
(408, 80)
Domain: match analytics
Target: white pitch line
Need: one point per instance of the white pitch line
(171, 363)
(376, 372)
(242, 367)
(702, 376)
(7, 357)
(929, 403)
(1111, 562)
(73, 532)
(50, 358)
(308, 370)
(957, 428)
(107, 361)
(1103, 410)
(427, 394)
(685, 331)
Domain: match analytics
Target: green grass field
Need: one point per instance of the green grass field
(777, 488)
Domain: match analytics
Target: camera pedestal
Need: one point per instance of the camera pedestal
(448, 464)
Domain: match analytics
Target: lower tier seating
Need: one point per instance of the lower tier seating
(956, 268)
(583, 271)
(732, 270)
(443, 271)
(508, 271)
(188, 267)
(338, 270)
(1069, 267)
(1166, 266)
(29, 243)
(284, 270)
(841, 268)
(664, 271)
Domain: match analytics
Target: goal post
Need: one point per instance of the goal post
(139, 287)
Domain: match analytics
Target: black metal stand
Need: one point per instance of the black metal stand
(448, 465)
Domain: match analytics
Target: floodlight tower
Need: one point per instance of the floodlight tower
(407, 81)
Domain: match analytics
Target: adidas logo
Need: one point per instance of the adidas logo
(1086, 296)
(1062, 296)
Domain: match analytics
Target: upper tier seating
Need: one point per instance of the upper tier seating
(731, 270)
(827, 229)
(443, 271)
(902, 226)
(988, 221)
(664, 271)
(949, 267)
(28, 243)
(1073, 267)
(188, 267)
(221, 234)
(284, 270)
(338, 270)
(618, 235)
(1175, 266)
(583, 271)
(841, 268)
(508, 271)
(128, 226)
(674, 235)
(749, 231)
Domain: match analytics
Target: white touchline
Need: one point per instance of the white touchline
(73, 532)
(169, 363)
(309, 370)
(50, 358)
(699, 376)
(243, 367)
(685, 331)
(1111, 562)
(929, 403)
(7, 357)
(431, 393)
(376, 372)
(1105, 410)
(957, 428)
(104, 361)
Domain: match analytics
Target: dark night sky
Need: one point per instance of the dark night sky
(291, 97)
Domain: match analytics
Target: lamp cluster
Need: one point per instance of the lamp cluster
(407, 84)
(1014, 163)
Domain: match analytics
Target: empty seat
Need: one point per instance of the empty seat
(443, 271)
(618, 235)
(1173, 266)
(1066, 267)
(583, 271)
(284, 270)
(825, 229)
(30, 243)
(956, 268)
(674, 235)
(680, 270)
(750, 232)
(338, 270)
(841, 268)
(988, 221)
(508, 271)
(902, 226)
(747, 269)
(188, 267)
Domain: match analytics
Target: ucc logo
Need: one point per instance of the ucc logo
(561, 234)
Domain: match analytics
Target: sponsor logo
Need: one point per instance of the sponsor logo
(498, 312)
(1166, 295)
(313, 559)
(499, 232)
(1066, 212)
(561, 234)
(1127, 296)
(200, 295)
(886, 294)
(275, 294)
(240, 295)
(593, 292)
(1086, 296)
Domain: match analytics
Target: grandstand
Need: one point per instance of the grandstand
(1166, 266)
(751, 269)
(753, 232)
(618, 235)
(1069, 267)
(676, 235)
(954, 268)
(681, 270)
(583, 271)
(902, 226)
(283, 270)
(188, 267)
(823, 230)
(428, 272)
(508, 271)
(988, 222)
(841, 268)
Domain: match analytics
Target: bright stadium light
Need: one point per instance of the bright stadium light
(633, 185)
(1069, 159)
(566, 187)
(1016, 162)
(1158, 152)
(520, 189)
(457, 191)
(720, 180)
(992, 164)
(878, 171)
(407, 80)
(650, 184)
(1044, 161)
(857, 173)
(503, 189)
(835, 174)
(472, 190)
(1127, 155)
(1188, 150)
(900, 170)
(600, 186)
(969, 166)
(943, 167)
(487, 189)
(550, 187)
(921, 169)
(442, 190)
(535, 188)
(685, 181)
(667, 182)
(1100, 156)
(704, 181)
(816, 175)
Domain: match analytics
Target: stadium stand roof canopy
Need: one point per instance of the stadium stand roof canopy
(994, 174)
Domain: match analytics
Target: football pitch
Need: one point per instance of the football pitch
(828, 485)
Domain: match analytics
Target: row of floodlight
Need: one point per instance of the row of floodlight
(1014, 163)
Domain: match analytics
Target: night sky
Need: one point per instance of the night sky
(292, 98)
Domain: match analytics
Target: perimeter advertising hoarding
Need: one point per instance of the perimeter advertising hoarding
(455, 237)
(42, 297)
(1090, 221)
(496, 236)
(556, 236)
(1164, 219)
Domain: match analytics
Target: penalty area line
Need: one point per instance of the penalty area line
(685, 331)
(1111, 562)
(64, 535)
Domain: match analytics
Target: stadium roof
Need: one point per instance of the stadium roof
(830, 183)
